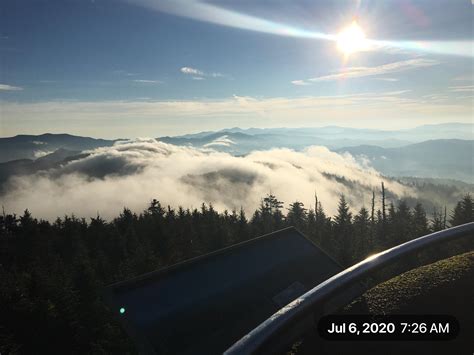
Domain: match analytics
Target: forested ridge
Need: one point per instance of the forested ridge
(52, 274)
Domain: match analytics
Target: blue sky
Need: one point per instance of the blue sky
(110, 69)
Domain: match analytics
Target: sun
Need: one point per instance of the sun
(352, 39)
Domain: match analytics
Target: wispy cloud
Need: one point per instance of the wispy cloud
(6, 87)
(436, 97)
(360, 72)
(191, 71)
(387, 79)
(143, 81)
(201, 75)
(467, 77)
(462, 88)
(300, 83)
(121, 72)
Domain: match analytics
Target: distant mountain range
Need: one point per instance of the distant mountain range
(441, 158)
(242, 141)
(437, 151)
(33, 147)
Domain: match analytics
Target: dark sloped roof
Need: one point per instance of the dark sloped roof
(205, 304)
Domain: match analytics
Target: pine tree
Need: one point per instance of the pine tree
(323, 229)
(362, 236)
(384, 214)
(372, 211)
(52, 273)
(401, 224)
(463, 212)
(310, 226)
(437, 222)
(379, 241)
(270, 213)
(419, 222)
(297, 215)
(343, 232)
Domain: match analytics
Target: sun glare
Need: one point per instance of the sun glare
(351, 39)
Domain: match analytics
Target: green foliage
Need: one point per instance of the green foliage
(52, 274)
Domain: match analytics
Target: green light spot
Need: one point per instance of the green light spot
(122, 310)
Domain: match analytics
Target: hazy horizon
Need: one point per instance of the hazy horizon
(243, 128)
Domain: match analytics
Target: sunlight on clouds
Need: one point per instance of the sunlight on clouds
(360, 72)
(186, 176)
(462, 48)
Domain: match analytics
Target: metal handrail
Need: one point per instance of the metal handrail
(291, 315)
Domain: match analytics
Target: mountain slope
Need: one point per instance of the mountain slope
(32, 147)
(30, 166)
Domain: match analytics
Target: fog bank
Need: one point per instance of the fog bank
(132, 173)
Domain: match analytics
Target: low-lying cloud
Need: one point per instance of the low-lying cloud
(131, 173)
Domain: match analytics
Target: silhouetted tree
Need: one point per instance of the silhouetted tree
(52, 274)
(419, 222)
(463, 212)
(297, 215)
(362, 245)
(343, 231)
(437, 222)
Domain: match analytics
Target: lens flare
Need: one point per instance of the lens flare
(352, 39)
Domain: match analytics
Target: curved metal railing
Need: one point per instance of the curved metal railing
(271, 331)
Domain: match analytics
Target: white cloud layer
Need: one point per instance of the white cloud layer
(134, 172)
